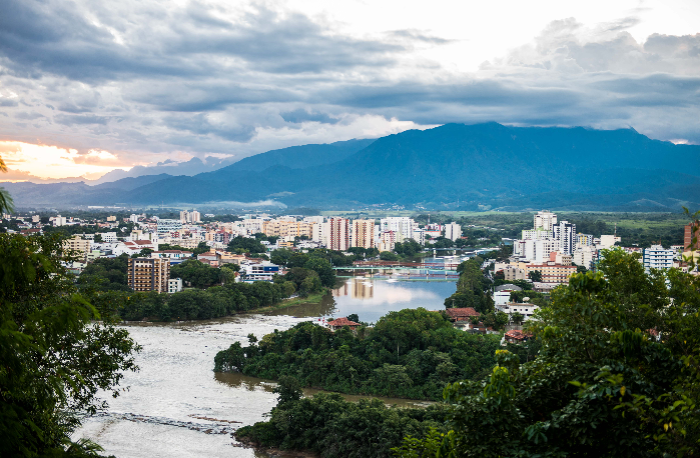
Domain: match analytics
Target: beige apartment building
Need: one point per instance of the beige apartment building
(362, 233)
(149, 274)
(78, 245)
(287, 229)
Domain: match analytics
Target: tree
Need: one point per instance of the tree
(54, 355)
(616, 374)
(517, 318)
(323, 268)
(246, 245)
(535, 275)
(388, 256)
(98, 238)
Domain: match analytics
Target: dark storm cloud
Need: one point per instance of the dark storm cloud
(54, 37)
(146, 76)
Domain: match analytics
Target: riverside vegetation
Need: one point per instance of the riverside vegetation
(616, 376)
(412, 353)
(214, 292)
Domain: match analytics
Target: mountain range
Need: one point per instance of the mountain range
(454, 166)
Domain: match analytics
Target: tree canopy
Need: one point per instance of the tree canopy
(54, 356)
(616, 375)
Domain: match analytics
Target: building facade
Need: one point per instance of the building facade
(339, 234)
(453, 231)
(362, 233)
(148, 274)
(658, 257)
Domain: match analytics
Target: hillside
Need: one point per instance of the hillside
(455, 165)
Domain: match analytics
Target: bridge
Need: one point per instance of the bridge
(407, 270)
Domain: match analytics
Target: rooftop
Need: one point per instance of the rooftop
(342, 322)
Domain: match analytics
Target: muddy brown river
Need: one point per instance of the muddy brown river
(176, 406)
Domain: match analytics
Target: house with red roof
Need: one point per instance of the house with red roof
(461, 314)
(341, 322)
(515, 336)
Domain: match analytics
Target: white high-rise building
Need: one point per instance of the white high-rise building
(657, 257)
(59, 221)
(320, 233)
(565, 232)
(195, 217)
(453, 231)
(545, 220)
(168, 225)
(537, 234)
(402, 225)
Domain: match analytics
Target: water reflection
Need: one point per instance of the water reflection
(372, 298)
(247, 383)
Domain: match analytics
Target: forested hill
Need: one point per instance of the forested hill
(468, 166)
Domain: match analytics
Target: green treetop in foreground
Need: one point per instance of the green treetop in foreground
(617, 376)
(54, 356)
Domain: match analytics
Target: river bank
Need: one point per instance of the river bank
(167, 407)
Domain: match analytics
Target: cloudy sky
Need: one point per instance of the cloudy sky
(89, 86)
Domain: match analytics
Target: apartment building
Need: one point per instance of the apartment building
(78, 245)
(545, 220)
(286, 229)
(387, 241)
(453, 231)
(657, 257)
(690, 231)
(401, 225)
(363, 233)
(148, 274)
(169, 225)
(339, 234)
(565, 232)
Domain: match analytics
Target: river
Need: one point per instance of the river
(176, 406)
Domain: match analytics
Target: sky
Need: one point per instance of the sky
(89, 86)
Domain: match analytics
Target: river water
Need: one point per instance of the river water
(176, 406)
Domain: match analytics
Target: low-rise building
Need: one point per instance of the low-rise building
(523, 308)
(340, 323)
(174, 285)
(516, 336)
(175, 256)
(78, 246)
(262, 271)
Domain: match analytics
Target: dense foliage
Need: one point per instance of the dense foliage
(191, 304)
(54, 358)
(240, 244)
(331, 427)
(106, 274)
(473, 288)
(616, 376)
(197, 274)
(410, 353)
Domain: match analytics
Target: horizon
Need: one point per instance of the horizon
(100, 178)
